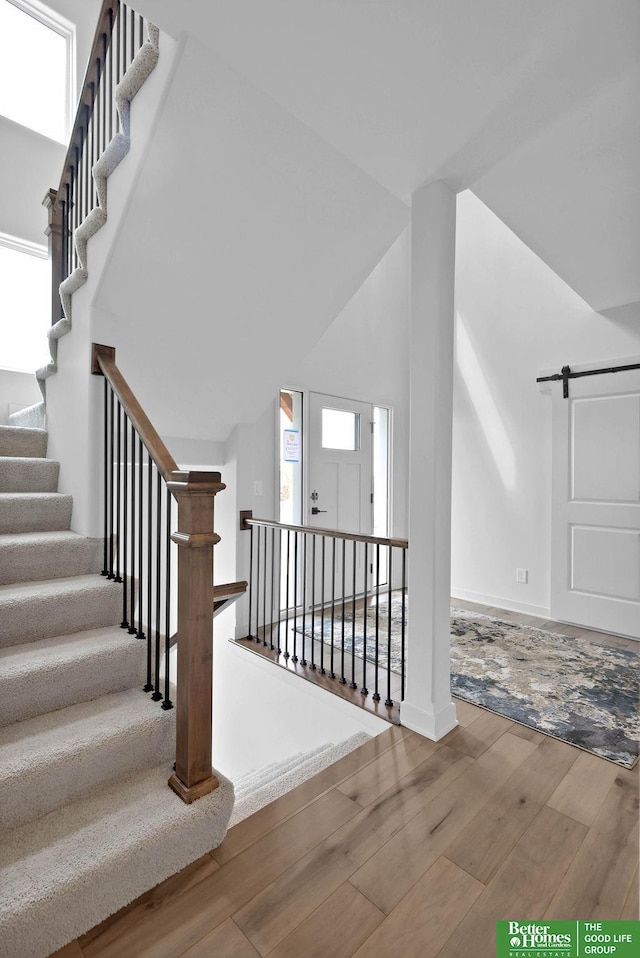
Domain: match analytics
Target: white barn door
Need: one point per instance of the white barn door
(595, 548)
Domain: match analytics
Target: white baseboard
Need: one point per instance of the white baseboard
(501, 603)
(432, 725)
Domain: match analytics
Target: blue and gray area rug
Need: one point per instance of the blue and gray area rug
(573, 689)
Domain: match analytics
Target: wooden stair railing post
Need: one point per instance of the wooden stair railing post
(195, 538)
(54, 233)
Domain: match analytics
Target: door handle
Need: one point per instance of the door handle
(315, 510)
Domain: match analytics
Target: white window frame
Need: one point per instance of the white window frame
(67, 30)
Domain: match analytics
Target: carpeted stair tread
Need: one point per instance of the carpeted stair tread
(50, 760)
(23, 441)
(258, 778)
(24, 474)
(259, 795)
(33, 556)
(53, 673)
(38, 610)
(70, 869)
(34, 511)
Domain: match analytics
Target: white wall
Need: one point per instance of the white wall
(16, 389)
(515, 318)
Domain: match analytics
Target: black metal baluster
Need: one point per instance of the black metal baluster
(352, 683)
(279, 610)
(286, 599)
(167, 703)
(123, 18)
(140, 31)
(322, 559)
(92, 148)
(105, 547)
(149, 686)
(404, 620)
(258, 584)
(125, 517)
(118, 577)
(264, 593)
(157, 694)
(110, 87)
(133, 35)
(332, 674)
(249, 632)
(364, 689)
(294, 657)
(132, 580)
(273, 572)
(111, 488)
(103, 91)
(73, 212)
(67, 229)
(343, 681)
(313, 604)
(389, 701)
(304, 586)
(376, 693)
(140, 633)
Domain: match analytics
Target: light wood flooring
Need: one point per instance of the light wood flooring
(407, 848)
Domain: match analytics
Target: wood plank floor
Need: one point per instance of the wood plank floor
(404, 847)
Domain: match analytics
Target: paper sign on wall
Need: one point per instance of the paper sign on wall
(291, 444)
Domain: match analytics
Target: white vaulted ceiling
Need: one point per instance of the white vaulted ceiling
(533, 105)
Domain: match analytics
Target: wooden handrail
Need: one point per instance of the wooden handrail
(195, 538)
(107, 16)
(247, 520)
(103, 363)
(226, 591)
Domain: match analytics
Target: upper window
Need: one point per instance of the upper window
(25, 304)
(36, 75)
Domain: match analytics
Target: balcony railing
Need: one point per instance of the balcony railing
(332, 604)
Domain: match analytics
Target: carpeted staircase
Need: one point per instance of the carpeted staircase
(88, 822)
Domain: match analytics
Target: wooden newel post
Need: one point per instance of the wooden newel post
(54, 232)
(194, 492)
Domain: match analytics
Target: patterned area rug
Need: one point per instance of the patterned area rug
(570, 688)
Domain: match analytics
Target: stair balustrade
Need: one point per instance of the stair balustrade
(333, 604)
(141, 480)
(119, 35)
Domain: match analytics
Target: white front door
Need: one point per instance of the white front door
(595, 567)
(340, 464)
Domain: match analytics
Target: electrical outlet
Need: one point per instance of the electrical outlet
(522, 575)
(257, 487)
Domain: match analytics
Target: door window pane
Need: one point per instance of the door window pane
(340, 430)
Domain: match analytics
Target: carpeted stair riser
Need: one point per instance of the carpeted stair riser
(264, 776)
(45, 759)
(22, 474)
(34, 512)
(23, 441)
(252, 794)
(39, 677)
(70, 869)
(33, 416)
(38, 610)
(33, 556)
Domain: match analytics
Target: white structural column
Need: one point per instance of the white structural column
(428, 707)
